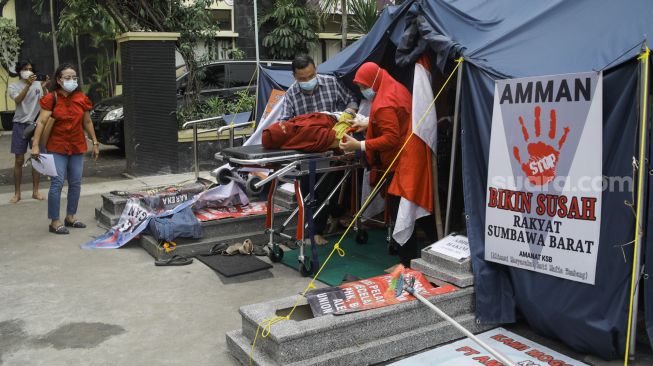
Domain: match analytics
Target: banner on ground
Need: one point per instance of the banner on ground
(465, 352)
(370, 293)
(543, 206)
(133, 220)
(161, 202)
(253, 208)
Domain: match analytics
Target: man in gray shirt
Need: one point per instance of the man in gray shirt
(26, 93)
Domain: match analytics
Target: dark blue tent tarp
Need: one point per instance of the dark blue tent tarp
(510, 38)
(515, 38)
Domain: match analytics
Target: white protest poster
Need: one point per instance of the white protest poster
(465, 352)
(543, 206)
(454, 246)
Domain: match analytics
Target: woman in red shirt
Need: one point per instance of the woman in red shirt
(388, 127)
(67, 143)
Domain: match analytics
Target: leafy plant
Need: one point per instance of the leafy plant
(293, 30)
(244, 102)
(10, 43)
(359, 15)
(214, 107)
(236, 54)
(363, 15)
(189, 18)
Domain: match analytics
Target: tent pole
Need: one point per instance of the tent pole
(258, 59)
(639, 218)
(437, 212)
(454, 148)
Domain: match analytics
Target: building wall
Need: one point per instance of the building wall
(9, 12)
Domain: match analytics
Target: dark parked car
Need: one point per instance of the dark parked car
(221, 78)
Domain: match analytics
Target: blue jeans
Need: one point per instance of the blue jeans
(70, 167)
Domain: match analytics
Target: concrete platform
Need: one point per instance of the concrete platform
(440, 266)
(442, 273)
(353, 339)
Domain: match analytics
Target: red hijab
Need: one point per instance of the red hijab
(389, 92)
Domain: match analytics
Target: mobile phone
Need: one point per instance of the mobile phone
(41, 77)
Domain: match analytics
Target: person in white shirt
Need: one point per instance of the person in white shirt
(26, 93)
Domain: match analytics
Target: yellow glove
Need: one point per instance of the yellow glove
(346, 116)
(341, 127)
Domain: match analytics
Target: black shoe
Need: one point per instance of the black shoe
(76, 224)
(59, 230)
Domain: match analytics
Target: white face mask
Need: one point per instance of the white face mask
(69, 85)
(25, 74)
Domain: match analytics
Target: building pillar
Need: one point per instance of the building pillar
(150, 102)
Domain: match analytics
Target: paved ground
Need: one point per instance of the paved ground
(61, 305)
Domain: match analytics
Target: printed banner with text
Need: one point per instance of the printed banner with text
(543, 207)
(371, 293)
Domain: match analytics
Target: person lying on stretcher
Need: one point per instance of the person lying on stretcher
(311, 132)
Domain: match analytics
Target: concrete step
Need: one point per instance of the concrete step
(113, 204)
(450, 264)
(354, 352)
(249, 223)
(307, 337)
(442, 273)
(105, 219)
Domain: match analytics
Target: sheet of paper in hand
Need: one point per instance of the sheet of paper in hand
(45, 165)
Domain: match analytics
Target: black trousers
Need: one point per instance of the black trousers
(321, 193)
(411, 249)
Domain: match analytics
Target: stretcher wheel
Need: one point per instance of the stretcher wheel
(275, 254)
(224, 176)
(249, 186)
(362, 236)
(306, 268)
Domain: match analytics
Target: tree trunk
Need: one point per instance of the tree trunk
(344, 23)
(79, 60)
(112, 70)
(55, 50)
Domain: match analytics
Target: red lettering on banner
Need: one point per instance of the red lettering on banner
(481, 359)
(543, 357)
(510, 342)
(552, 205)
(505, 199)
(467, 351)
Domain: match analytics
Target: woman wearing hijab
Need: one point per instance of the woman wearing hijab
(388, 127)
(70, 107)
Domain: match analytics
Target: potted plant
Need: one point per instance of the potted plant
(10, 43)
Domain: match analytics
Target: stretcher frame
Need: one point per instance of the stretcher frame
(288, 166)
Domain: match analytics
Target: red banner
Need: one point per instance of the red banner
(371, 293)
(254, 208)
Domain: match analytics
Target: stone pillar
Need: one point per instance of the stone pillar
(150, 102)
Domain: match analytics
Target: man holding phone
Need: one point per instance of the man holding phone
(26, 93)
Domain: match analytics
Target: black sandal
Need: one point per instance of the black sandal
(216, 249)
(175, 260)
(76, 224)
(59, 230)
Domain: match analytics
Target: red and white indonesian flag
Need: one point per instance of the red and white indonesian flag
(414, 183)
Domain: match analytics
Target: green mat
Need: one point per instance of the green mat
(360, 260)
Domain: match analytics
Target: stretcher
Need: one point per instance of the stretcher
(288, 166)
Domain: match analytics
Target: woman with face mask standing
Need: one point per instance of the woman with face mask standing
(389, 121)
(388, 127)
(26, 93)
(67, 143)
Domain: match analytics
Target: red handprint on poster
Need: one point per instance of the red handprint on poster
(540, 168)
